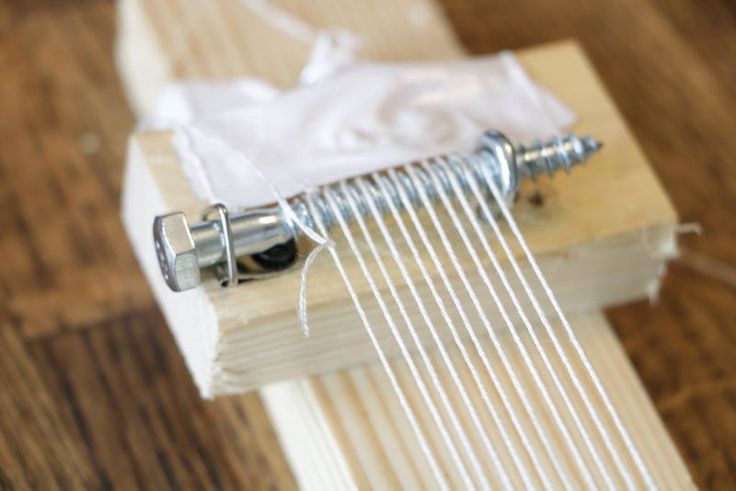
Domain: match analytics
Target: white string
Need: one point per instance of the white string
(470, 178)
(337, 212)
(302, 308)
(575, 343)
(421, 439)
(536, 422)
(418, 342)
(531, 450)
(524, 473)
(322, 240)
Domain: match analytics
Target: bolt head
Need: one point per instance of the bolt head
(176, 252)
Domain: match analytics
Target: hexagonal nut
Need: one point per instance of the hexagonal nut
(176, 252)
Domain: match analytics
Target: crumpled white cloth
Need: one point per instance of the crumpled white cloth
(362, 118)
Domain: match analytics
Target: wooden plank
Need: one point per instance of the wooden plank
(356, 412)
(123, 389)
(684, 356)
(227, 38)
(36, 449)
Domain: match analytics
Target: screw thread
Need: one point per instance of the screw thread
(549, 157)
(553, 155)
(441, 167)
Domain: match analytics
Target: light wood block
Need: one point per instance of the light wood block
(598, 247)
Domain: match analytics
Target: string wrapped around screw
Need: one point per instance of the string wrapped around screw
(183, 250)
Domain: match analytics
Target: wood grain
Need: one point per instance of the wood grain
(667, 64)
(36, 449)
(140, 420)
(346, 430)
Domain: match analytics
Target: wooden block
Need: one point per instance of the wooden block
(602, 236)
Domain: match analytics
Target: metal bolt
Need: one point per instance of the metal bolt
(183, 250)
(176, 251)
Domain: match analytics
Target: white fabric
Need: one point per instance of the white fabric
(362, 118)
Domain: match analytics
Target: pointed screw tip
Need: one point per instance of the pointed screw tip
(591, 145)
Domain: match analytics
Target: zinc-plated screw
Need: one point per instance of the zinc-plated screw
(183, 250)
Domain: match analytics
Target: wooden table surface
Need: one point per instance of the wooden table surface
(93, 392)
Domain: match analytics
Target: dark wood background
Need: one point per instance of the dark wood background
(92, 390)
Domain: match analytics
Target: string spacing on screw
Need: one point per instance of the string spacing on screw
(183, 250)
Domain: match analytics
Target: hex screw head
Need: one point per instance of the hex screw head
(176, 251)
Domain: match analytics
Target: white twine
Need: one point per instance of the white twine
(649, 480)
(471, 215)
(444, 433)
(558, 466)
(323, 242)
(467, 447)
(419, 434)
(521, 468)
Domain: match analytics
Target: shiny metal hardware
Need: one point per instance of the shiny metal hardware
(268, 237)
